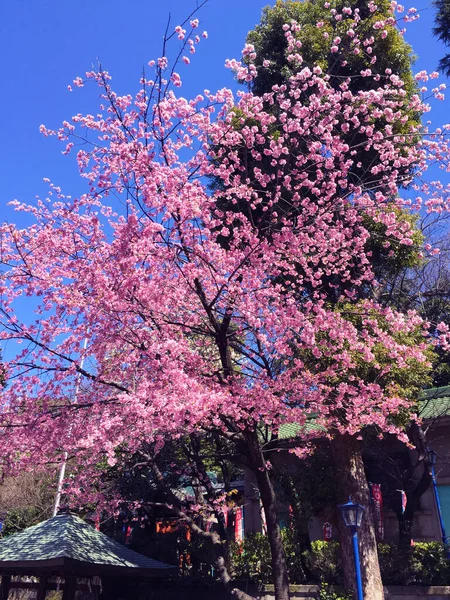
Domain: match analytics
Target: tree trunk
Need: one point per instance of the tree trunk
(268, 499)
(351, 481)
(412, 505)
(417, 437)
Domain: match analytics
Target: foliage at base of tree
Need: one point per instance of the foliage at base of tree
(425, 564)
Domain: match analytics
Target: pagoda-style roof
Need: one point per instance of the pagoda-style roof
(67, 545)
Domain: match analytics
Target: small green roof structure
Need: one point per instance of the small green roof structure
(434, 403)
(68, 547)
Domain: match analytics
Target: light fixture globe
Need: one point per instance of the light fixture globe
(352, 513)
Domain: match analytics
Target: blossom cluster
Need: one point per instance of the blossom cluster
(159, 311)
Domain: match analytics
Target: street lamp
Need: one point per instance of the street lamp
(352, 514)
(432, 460)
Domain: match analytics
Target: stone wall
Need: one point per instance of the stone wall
(412, 592)
(405, 592)
(197, 591)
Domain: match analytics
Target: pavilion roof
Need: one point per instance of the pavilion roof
(67, 543)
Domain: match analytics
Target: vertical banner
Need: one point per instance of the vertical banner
(239, 525)
(128, 534)
(225, 516)
(377, 503)
(327, 532)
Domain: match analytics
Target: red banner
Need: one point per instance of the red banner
(377, 503)
(239, 525)
(327, 532)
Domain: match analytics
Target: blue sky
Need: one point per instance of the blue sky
(45, 44)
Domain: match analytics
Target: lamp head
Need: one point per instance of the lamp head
(352, 513)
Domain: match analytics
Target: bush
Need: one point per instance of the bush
(434, 564)
(327, 592)
(294, 548)
(324, 562)
(425, 563)
(251, 559)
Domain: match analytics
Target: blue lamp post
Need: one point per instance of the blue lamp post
(352, 514)
(432, 459)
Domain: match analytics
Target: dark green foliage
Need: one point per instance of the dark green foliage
(425, 564)
(270, 44)
(251, 559)
(18, 519)
(311, 488)
(441, 30)
(324, 562)
(327, 592)
(392, 53)
(294, 548)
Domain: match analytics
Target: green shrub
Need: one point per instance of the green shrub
(251, 559)
(425, 563)
(327, 592)
(324, 562)
(434, 564)
(294, 550)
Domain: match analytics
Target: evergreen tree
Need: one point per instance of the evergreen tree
(442, 31)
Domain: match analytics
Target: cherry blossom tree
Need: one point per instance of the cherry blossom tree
(161, 328)
(345, 42)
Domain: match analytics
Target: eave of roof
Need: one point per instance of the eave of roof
(67, 543)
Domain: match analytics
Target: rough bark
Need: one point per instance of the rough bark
(417, 437)
(412, 504)
(351, 481)
(268, 500)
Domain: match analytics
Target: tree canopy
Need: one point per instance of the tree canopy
(165, 331)
(442, 31)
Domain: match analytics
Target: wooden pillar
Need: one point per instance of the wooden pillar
(6, 582)
(42, 588)
(70, 587)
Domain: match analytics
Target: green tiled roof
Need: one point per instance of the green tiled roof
(434, 403)
(69, 537)
(291, 430)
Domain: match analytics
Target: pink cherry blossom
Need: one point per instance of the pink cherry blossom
(146, 326)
